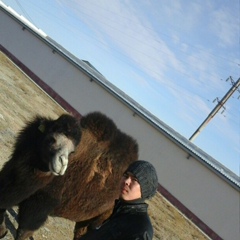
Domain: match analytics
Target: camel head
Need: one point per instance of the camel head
(59, 139)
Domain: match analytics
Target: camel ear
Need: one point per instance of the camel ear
(42, 127)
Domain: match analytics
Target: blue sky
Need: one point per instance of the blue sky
(172, 57)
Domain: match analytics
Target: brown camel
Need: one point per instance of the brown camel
(86, 192)
(41, 152)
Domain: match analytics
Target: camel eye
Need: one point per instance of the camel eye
(50, 141)
(71, 153)
(49, 144)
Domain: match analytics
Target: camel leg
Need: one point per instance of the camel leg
(3, 229)
(80, 229)
(33, 213)
(23, 234)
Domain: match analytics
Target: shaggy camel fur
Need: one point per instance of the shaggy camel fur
(41, 152)
(85, 194)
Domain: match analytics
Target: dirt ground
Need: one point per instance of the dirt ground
(20, 100)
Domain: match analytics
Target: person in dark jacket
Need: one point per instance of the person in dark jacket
(129, 219)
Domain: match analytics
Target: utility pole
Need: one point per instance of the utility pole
(217, 108)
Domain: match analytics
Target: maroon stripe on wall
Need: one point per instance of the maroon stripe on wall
(42, 84)
(185, 211)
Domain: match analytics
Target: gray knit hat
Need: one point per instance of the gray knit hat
(147, 177)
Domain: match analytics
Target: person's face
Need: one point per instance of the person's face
(129, 187)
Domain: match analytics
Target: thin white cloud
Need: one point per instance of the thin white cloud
(224, 26)
(183, 16)
(206, 69)
(192, 106)
(124, 29)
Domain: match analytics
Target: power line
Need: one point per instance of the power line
(149, 56)
(24, 12)
(155, 49)
(147, 27)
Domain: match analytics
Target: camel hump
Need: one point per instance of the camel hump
(100, 125)
(127, 143)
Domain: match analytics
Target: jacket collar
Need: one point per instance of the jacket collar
(130, 206)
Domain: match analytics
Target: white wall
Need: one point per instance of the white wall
(207, 195)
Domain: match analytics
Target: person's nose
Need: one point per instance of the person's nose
(128, 181)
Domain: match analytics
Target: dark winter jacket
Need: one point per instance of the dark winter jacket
(129, 221)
